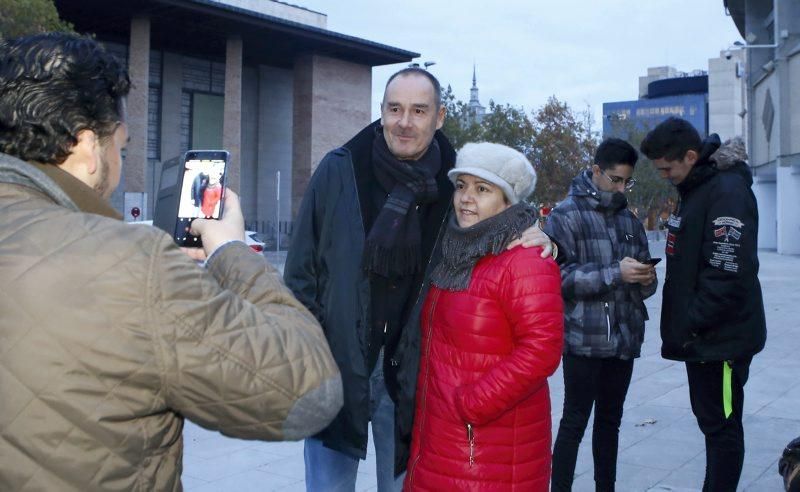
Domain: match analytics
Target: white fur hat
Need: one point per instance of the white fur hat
(500, 165)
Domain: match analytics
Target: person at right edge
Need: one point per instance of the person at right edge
(712, 313)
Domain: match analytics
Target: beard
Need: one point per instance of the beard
(103, 186)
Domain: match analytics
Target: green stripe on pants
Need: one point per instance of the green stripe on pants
(727, 389)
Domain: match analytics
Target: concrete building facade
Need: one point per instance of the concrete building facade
(727, 95)
(262, 79)
(714, 101)
(771, 29)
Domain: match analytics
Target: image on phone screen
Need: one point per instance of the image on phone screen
(201, 194)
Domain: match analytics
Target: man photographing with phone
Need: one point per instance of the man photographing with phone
(606, 276)
(111, 336)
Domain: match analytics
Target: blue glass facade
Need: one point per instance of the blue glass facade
(644, 114)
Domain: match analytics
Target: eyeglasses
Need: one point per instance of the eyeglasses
(616, 180)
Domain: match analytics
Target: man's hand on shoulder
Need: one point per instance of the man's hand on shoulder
(532, 237)
(634, 272)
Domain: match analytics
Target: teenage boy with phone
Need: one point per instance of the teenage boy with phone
(605, 279)
(111, 336)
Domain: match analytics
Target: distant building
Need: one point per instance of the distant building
(713, 101)
(664, 92)
(772, 77)
(261, 78)
(475, 111)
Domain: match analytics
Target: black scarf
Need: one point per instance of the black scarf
(613, 200)
(463, 247)
(393, 246)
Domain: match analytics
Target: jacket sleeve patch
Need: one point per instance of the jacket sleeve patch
(725, 252)
(671, 238)
(728, 221)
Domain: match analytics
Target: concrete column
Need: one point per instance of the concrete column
(275, 146)
(136, 156)
(332, 101)
(765, 191)
(232, 123)
(171, 93)
(788, 214)
(788, 179)
(248, 167)
(302, 110)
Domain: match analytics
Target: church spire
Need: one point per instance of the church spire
(475, 109)
(474, 79)
(473, 93)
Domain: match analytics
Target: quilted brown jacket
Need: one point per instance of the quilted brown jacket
(110, 336)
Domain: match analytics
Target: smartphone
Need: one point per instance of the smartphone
(653, 261)
(202, 192)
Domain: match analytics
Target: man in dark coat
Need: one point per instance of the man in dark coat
(712, 314)
(199, 186)
(364, 239)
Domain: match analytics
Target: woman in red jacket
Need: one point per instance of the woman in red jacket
(492, 333)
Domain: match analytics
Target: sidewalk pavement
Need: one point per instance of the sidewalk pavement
(661, 448)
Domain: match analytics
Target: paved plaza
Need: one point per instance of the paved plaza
(661, 448)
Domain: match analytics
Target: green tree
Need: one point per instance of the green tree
(563, 146)
(456, 125)
(23, 17)
(507, 125)
(503, 124)
(557, 140)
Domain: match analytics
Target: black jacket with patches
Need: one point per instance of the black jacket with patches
(324, 270)
(712, 308)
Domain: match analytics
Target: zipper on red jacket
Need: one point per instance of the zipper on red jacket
(471, 441)
(608, 324)
(424, 402)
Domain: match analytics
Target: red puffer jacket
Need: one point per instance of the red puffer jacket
(486, 354)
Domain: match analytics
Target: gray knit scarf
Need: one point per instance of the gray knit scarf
(462, 247)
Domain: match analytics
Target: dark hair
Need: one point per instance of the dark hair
(437, 87)
(671, 139)
(613, 151)
(52, 86)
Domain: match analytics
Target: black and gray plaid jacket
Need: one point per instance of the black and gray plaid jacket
(603, 316)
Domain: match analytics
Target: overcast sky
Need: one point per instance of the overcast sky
(584, 52)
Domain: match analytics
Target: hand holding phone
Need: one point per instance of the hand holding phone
(218, 232)
(202, 190)
(636, 272)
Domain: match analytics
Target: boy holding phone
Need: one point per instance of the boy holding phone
(606, 275)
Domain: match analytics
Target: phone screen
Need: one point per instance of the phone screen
(202, 190)
(653, 261)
